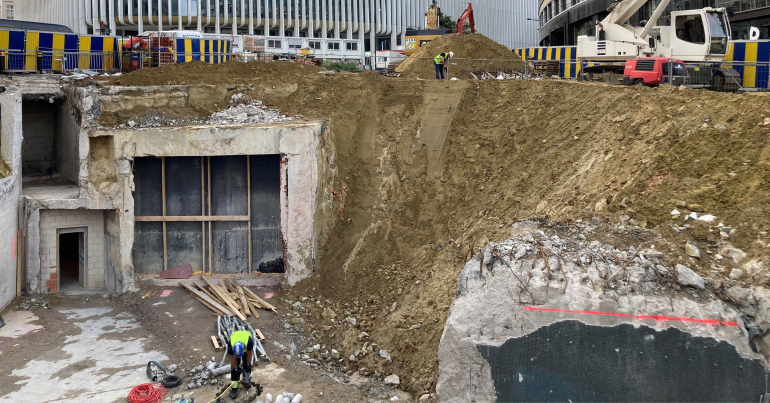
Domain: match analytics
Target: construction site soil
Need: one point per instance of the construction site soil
(472, 53)
(510, 150)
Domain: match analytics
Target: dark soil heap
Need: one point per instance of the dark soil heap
(465, 46)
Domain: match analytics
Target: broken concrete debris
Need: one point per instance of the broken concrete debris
(242, 110)
(685, 276)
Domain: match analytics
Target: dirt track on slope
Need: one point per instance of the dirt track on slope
(515, 150)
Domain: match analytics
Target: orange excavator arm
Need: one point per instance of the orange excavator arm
(467, 16)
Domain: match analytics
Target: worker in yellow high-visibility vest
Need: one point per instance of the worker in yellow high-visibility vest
(441, 61)
(241, 349)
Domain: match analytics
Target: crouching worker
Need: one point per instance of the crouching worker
(241, 350)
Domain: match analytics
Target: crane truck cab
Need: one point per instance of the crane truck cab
(652, 71)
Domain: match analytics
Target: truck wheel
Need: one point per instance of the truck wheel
(639, 82)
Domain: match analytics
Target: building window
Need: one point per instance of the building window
(351, 46)
(333, 46)
(315, 45)
(274, 44)
(9, 12)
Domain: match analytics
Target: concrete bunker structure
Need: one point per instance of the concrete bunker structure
(96, 206)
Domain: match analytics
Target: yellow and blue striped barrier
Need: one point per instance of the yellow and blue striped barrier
(752, 60)
(208, 50)
(62, 51)
(569, 66)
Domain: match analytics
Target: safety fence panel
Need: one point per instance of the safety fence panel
(561, 61)
(750, 59)
(62, 52)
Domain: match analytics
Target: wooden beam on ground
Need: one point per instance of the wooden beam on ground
(226, 298)
(203, 297)
(253, 310)
(217, 344)
(260, 336)
(205, 291)
(244, 302)
(260, 300)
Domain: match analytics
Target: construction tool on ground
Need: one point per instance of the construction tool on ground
(466, 17)
(695, 36)
(158, 373)
(226, 325)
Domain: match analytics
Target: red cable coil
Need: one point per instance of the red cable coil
(147, 393)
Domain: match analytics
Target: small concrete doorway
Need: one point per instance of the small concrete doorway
(73, 258)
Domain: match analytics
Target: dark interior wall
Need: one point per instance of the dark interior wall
(148, 236)
(66, 146)
(187, 241)
(229, 196)
(38, 128)
(50, 139)
(183, 198)
(572, 361)
(266, 244)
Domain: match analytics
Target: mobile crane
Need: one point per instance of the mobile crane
(692, 36)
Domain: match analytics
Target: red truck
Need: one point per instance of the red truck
(653, 71)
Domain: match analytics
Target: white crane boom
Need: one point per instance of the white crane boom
(622, 10)
(654, 18)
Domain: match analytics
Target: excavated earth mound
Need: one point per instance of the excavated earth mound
(391, 250)
(213, 74)
(488, 55)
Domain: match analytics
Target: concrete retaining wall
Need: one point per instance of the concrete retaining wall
(11, 137)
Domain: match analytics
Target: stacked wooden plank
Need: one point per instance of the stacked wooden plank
(228, 298)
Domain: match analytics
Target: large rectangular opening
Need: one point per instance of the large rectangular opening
(50, 143)
(220, 215)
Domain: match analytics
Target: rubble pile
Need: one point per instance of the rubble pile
(32, 303)
(246, 110)
(206, 375)
(509, 76)
(242, 110)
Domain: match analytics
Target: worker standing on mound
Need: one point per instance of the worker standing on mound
(440, 61)
(241, 349)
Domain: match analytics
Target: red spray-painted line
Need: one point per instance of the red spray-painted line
(659, 318)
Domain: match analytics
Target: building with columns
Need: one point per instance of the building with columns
(375, 24)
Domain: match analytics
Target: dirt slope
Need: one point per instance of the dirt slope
(471, 46)
(515, 150)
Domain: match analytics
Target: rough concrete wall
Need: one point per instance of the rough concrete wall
(39, 123)
(298, 199)
(66, 143)
(495, 302)
(11, 132)
(50, 221)
(112, 250)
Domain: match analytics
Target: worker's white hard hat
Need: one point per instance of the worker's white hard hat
(451, 54)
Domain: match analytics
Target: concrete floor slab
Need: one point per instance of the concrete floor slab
(49, 188)
(94, 353)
